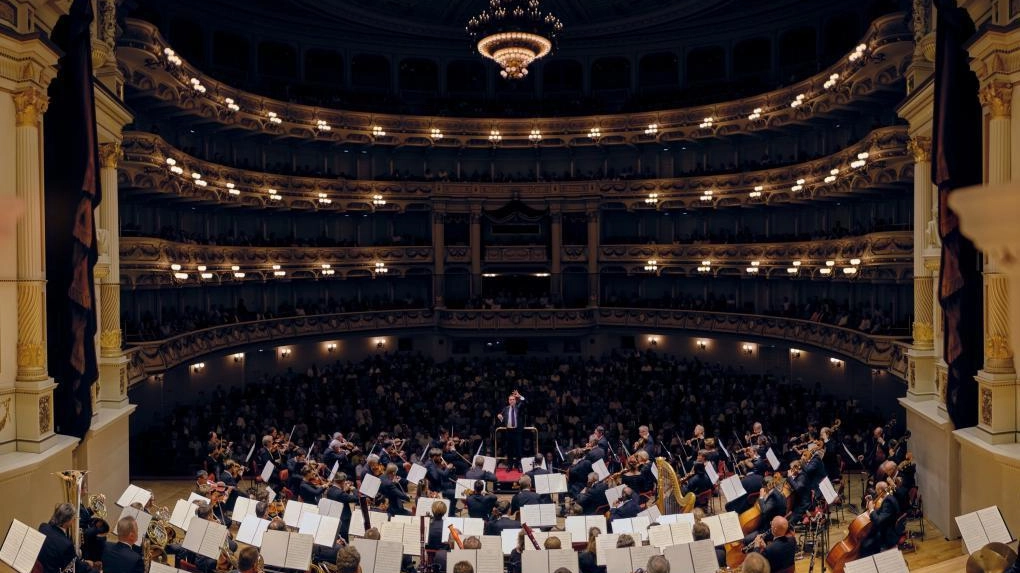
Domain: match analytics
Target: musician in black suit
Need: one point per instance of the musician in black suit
(751, 482)
(771, 504)
(121, 557)
(830, 459)
(646, 442)
(629, 505)
(701, 531)
(389, 487)
(593, 496)
(699, 482)
(477, 471)
(58, 549)
(309, 492)
(343, 492)
(480, 503)
(525, 496)
(885, 533)
(511, 418)
(778, 548)
(440, 476)
(801, 491)
(501, 520)
(435, 537)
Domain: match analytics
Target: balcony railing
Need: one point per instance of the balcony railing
(887, 165)
(155, 357)
(516, 254)
(141, 53)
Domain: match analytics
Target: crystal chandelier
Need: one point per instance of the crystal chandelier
(514, 33)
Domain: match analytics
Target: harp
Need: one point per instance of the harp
(669, 498)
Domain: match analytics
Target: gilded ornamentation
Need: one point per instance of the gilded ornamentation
(30, 104)
(920, 19)
(920, 147)
(5, 406)
(932, 265)
(110, 154)
(9, 14)
(31, 355)
(108, 22)
(923, 332)
(45, 414)
(997, 348)
(913, 375)
(986, 406)
(110, 339)
(123, 381)
(997, 97)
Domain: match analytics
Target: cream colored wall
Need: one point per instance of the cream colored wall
(105, 453)
(936, 452)
(27, 485)
(989, 475)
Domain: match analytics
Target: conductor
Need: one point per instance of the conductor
(510, 418)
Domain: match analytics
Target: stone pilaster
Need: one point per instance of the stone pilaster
(593, 255)
(476, 250)
(556, 229)
(439, 252)
(34, 387)
(111, 389)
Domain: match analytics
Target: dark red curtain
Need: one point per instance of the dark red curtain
(957, 162)
(72, 193)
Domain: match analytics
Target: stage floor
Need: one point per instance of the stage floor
(932, 548)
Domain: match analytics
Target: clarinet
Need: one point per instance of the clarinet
(531, 535)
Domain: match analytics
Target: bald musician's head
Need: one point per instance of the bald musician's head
(657, 564)
(479, 462)
(779, 526)
(701, 531)
(127, 530)
(473, 542)
(888, 468)
(881, 486)
(247, 559)
(373, 533)
(525, 483)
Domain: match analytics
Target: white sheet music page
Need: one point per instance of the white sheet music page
(299, 551)
(865, 565)
(640, 554)
(712, 521)
(416, 473)
(532, 562)
(602, 543)
(682, 532)
(652, 513)
(12, 544)
(890, 561)
(994, 525)
(213, 540)
(613, 494)
(563, 558)
(488, 561)
(248, 530)
(195, 497)
(660, 536)
(461, 486)
(424, 506)
(773, 460)
(330, 508)
(680, 559)
(618, 561)
(370, 485)
(508, 537)
(193, 538)
(368, 548)
(732, 488)
(703, 555)
(828, 492)
(712, 474)
(730, 523)
(29, 552)
(388, 557)
(309, 523)
(332, 471)
(292, 513)
(973, 533)
(600, 468)
(240, 510)
(267, 472)
(182, 514)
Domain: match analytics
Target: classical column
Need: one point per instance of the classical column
(34, 387)
(556, 228)
(996, 98)
(112, 386)
(593, 255)
(439, 254)
(923, 333)
(476, 250)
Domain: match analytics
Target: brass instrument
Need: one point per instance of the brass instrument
(97, 505)
(72, 480)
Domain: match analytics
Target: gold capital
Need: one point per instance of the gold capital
(923, 332)
(30, 104)
(997, 97)
(110, 339)
(31, 355)
(920, 147)
(997, 348)
(110, 154)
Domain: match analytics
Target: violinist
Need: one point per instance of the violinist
(593, 495)
(814, 467)
(771, 503)
(883, 511)
(777, 545)
(311, 488)
(629, 505)
(697, 441)
(480, 503)
(751, 481)
(390, 489)
(454, 458)
(525, 496)
(342, 490)
(876, 450)
(801, 490)
(645, 442)
(699, 482)
(753, 437)
(439, 474)
(830, 446)
(268, 453)
(501, 519)
(478, 471)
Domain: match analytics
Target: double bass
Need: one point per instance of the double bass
(849, 548)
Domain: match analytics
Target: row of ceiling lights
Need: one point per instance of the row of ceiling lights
(706, 267)
(203, 272)
(859, 55)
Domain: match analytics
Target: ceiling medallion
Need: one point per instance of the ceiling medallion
(514, 33)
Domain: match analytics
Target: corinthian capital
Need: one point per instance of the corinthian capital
(30, 104)
(997, 97)
(920, 147)
(110, 154)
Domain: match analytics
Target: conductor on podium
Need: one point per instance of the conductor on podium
(511, 418)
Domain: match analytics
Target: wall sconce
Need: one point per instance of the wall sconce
(331, 347)
(702, 344)
(285, 352)
(198, 367)
(836, 362)
(748, 349)
(795, 352)
(653, 340)
(237, 357)
(380, 343)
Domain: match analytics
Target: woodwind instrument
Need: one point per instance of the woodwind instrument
(455, 536)
(423, 556)
(531, 535)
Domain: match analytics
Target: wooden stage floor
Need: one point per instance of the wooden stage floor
(932, 548)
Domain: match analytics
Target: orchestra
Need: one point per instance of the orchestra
(336, 470)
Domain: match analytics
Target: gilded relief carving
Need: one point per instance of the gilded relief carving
(5, 412)
(45, 414)
(986, 406)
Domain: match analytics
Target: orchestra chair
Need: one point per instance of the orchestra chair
(704, 501)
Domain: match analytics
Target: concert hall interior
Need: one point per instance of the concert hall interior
(736, 284)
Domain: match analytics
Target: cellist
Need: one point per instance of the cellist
(883, 511)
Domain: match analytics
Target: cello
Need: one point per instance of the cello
(849, 548)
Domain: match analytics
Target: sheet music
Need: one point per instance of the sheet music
(640, 555)
(865, 565)
(330, 508)
(25, 544)
(251, 530)
(613, 494)
(712, 521)
(618, 561)
(673, 534)
(12, 544)
(682, 532)
(424, 506)
(182, 514)
(270, 494)
(368, 548)
(375, 519)
(635, 525)
(299, 551)
(730, 523)
(828, 492)
(141, 518)
(681, 560)
(488, 463)
(267, 472)
(670, 518)
(250, 452)
(463, 484)
(652, 513)
(600, 468)
(528, 464)
(388, 557)
(773, 460)
(157, 567)
(243, 507)
(195, 497)
(732, 488)
(508, 540)
(890, 561)
(534, 562)
(205, 538)
(703, 556)
(550, 483)
(539, 515)
(332, 471)
(494, 542)
(973, 533)
(293, 511)
(578, 526)
(370, 486)
(563, 558)
(993, 524)
(712, 474)
(416, 473)
(602, 543)
(134, 494)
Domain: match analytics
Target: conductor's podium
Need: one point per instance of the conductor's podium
(506, 480)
